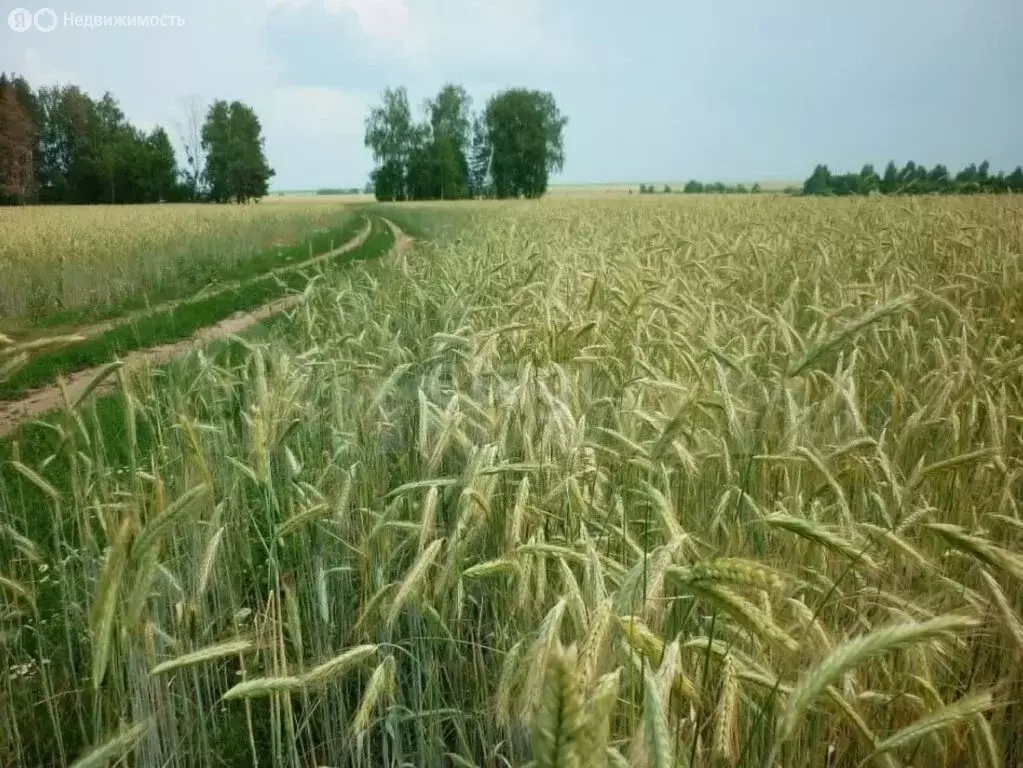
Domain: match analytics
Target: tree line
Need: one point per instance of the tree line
(913, 179)
(509, 149)
(345, 190)
(59, 145)
(693, 187)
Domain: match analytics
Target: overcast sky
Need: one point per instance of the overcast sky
(655, 90)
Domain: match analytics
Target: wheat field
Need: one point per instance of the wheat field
(58, 258)
(671, 482)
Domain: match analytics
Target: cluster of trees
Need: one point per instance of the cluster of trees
(59, 145)
(510, 149)
(235, 165)
(694, 187)
(913, 179)
(342, 191)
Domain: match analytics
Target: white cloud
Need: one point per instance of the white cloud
(388, 21)
(313, 112)
(222, 51)
(452, 29)
(217, 53)
(36, 70)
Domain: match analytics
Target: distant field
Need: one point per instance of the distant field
(79, 258)
(311, 196)
(705, 481)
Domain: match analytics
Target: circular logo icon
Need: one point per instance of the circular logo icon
(20, 20)
(45, 19)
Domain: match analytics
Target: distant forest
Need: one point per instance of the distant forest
(911, 179)
(59, 145)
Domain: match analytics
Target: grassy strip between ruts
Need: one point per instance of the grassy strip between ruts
(176, 323)
(209, 272)
(428, 221)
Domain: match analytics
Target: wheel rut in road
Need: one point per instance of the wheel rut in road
(14, 413)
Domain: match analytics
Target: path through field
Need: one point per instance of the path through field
(45, 399)
(98, 328)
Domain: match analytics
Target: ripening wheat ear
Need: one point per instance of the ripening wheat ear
(643, 586)
(596, 731)
(16, 589)
(210, 653)
(338, 665)
(947, 717)
(837, 339)
(381, 686)
(1010, 618)
(980, 548)
(558, 723)
(854, 718)
(854, 652)
(513, 536)
(820, 535)
(986, 747)
(726, 726)
(506, 686)
(746, 615)
(596, 642)
(151, 535)
(656, 735)
(116, 748)
(641, 639)
(414, 580)
(428, 518)
(104, 609)
(545, 643)
(260, 687)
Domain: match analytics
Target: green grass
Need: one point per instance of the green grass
(174, 324)
(202, 274)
